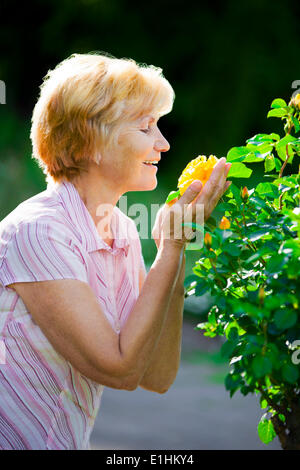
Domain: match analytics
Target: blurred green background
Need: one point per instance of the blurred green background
(226, 61)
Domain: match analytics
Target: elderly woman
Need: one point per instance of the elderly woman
(77, 310)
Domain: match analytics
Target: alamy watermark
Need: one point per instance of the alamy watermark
(296, 354)
(295, 84)
(177, 223)
(2, 92)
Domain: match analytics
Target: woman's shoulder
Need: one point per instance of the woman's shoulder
(39, 210)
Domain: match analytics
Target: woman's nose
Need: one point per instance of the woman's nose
(161, 144)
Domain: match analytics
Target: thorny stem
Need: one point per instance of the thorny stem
(285, 162)
(270, 402)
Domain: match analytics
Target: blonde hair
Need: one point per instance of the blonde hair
(82, 105)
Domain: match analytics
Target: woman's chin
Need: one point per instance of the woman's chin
(145, 186)
(150, 187)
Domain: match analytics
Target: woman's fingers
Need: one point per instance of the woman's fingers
(216, 181)
(191, 192)
(214, 188)
(196, 201)
(226, 186)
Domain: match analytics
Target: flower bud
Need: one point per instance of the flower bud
(224, 224)
(207, 240)
(244, 193)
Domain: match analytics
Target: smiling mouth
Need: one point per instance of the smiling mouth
(152, 162)
(150, 165)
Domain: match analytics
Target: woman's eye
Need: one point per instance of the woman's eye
(146, 130)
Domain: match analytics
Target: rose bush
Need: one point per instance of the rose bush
(250, 265)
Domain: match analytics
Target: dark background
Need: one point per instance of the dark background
(226, 60)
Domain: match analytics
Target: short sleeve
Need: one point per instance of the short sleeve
(41, 251)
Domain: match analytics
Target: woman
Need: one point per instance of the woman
(77, 310)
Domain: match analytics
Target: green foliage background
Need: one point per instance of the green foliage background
(225, 62)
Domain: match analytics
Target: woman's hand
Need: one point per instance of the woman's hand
(169, 219)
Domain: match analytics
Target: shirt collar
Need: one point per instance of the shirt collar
(80, 216)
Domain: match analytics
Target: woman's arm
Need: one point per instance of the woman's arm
(156, 295)
(165, 360)
(69, 314)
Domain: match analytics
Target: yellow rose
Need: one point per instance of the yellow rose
(295, 101)
(198, 169)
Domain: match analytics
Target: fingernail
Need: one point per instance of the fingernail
(196, 185)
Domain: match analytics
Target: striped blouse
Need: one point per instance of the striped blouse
(45, 403)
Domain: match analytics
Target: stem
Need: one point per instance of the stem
(280, 430)
(280, 174)
(270, 402)
(243, 215)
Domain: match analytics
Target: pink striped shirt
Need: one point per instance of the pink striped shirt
(45, 403)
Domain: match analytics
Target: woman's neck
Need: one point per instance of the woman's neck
(99, 200)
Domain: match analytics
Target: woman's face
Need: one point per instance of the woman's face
(139, 140)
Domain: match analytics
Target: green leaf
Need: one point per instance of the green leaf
(239, 170)
(172, 195)
(278, 103)
(201, 288)
(265, 429)
(278, 112)
(225, 206)
(281, 147)
(190, 279)
(261, 203)
(258, 234)
(232, 332)
(227, 349)
(274, 136)
(275, 264)
(269, 163)
(261, 148)
(232, 383)
(285, 318)
(235, 153)
(232, 249)
(255, 157)
(278, 164)
(296, 124)
(264, 189)
(263, 403)
(259, 138)
(235, 191)
(290, 373)
(261, 366)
